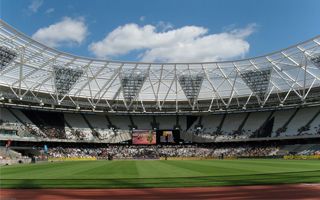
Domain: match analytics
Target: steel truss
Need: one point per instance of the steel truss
(28, 73)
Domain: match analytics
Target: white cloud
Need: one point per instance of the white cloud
(164, 26)
(66, 32)
(185, 44)
(35, 5)
(50, 10)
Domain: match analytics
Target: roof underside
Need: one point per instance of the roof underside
(34, 70)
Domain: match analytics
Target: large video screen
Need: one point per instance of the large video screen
(168, 136)
(144, 137)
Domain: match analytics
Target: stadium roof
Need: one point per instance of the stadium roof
(29, 68)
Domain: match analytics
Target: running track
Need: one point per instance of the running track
(294, 191)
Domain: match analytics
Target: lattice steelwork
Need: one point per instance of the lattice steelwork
(315, 59)
(131, 85)
(65, 78)
(257, 81)
(191, 85)
(6, 56)
(106, 85)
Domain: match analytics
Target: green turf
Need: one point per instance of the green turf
(158, 173)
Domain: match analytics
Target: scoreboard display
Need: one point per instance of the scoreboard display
(145, 137)
(166, 137)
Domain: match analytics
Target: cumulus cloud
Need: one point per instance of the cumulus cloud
(185, 44)
(35, 5)
(66, 32)
(164, 26)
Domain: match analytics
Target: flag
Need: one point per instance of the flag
(45, 148)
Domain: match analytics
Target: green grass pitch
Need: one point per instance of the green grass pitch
(159, 173)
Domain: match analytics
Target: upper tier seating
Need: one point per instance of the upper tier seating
(202, 128)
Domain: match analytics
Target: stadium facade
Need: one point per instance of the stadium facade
(49, 95)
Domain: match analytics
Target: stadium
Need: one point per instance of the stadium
(76, 122)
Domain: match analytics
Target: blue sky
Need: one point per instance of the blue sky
(166, 30)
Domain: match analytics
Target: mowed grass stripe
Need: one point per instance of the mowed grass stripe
(276, 178)
(157, 169)
(156, 173)
(226, 167)
(279, 165)
(199, 168)
(262, 165)
(182, 169)
(125, 169)
(46, 171)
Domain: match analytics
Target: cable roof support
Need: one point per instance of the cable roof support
(165, 98)
(87, 82)
(318, 78)
(176, 85)
(279, 68)
(291, 86)
(157, 97)
(225, 77)
(213, 89)
(108, 83)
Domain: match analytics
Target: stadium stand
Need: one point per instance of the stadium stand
(187, 151)
(79, 125)
(300, 120)
(143, 122)
(232, 107)
(9, 157)
(207, 128)
(300, 149)
(151, 152)
(255, 121)
(281, 118)
(23, 128)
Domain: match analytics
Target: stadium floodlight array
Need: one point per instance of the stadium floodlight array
(131, 85)
(6, 56)
(191, 85)
(65, 78)
(257, 81)
(315, 59)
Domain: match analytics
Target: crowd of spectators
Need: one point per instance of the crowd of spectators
(245, 134)
(30, 130)
(22, 130)
(156, 151)
(219, 136)
(307, 130)
(53, 132)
